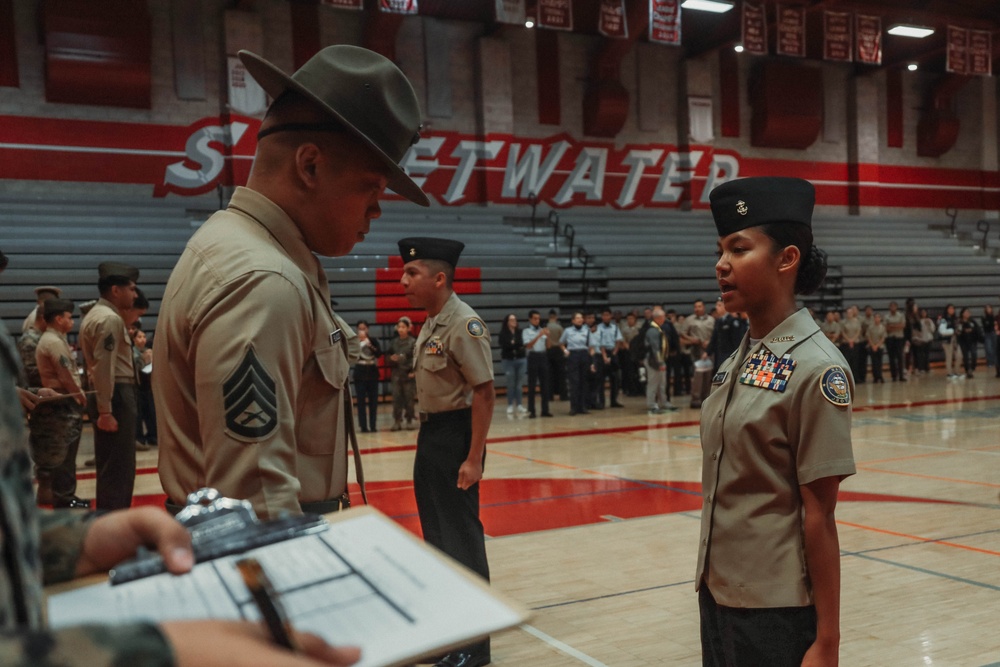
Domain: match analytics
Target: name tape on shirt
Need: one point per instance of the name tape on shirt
(766, 370)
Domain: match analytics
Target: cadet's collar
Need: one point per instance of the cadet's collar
(284, 230)
(450, 306)
(795, 329)
(107, 304)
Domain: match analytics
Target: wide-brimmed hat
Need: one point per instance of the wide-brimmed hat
(365, 92)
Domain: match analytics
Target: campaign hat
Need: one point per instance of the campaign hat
(48, 289)
(362, 90)
(748, 202)
(424, 247)
(108, 269)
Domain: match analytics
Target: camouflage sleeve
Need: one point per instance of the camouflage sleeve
(62, 534)
(135, 645)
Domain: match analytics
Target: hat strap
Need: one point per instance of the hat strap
(301, 127)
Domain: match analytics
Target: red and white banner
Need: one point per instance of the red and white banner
(398, 6)
(838, 36)
(980, 53)
(246, 97)
(510, 11)
(356, 5)
(754, 28)
(791, 31)
(457, 169)
(957, 45)
(611, 22)
(868, 33)
(555, 14)
(665, 21)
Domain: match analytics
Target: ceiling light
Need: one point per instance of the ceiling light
(716, 6)
(905, 30)
(912, 67)
(529, 24)
(738, 48)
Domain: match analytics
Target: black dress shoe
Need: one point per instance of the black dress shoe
(531, 415)
(463, 659)
(617, 405)
(549, 414)
(74, 503)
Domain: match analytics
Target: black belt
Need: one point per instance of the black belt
(442, 416)
(533, 352)
(311, 507)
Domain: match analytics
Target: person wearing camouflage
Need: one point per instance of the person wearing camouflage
(48, 547)
(56, 424)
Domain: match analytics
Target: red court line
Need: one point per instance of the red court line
(919, 404)
(934, 477)
(138, 471)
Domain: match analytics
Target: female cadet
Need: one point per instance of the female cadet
(776, 443)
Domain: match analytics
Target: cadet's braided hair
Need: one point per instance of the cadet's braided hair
(812, 265)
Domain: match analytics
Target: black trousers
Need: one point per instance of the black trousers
(894, 348)
(557, 373)
(736, 637)
(876, 356)
(577, 368)
(366, 390)
(538, 373)
(449, 516)
(610, 371)
(115, 451)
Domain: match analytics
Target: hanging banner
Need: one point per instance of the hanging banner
(791, 31)
(957, 45)
(868, 34)
(611, 21)
(398, 6)
(980, 53)
(754, 29)
(246, 97)
(510, 11)
(555, 14)
(356, 5)
(665, 21)
(838, 38)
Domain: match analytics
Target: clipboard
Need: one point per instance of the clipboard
(353, 577)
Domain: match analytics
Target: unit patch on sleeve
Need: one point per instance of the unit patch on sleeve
(249, 400)
(475, 327)
(764, 369)
(835, 386)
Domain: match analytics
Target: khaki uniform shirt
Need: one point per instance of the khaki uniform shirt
(53, 354)
(898, 320)
(452, 357)
(850, 330)
(779, 416)
(831, 330)
(107, 351)
(251, 365)
(700, 328)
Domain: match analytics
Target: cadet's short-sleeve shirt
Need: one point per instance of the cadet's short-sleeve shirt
(897, 319)
(608, 335)
(107, 350)
(52, 354)
(776, 420)
(850, 330)
(251, 365)
(452, 356)
(831, 330)
(576, 338)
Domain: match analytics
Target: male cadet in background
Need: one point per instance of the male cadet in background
(536, 340)
(56, 424)
(557, 360)
(250, 366)
(454, 373)
(42, 294)
(609, 340)
(107, 351)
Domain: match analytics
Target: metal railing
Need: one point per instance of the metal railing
(953, 214)
(984, 227)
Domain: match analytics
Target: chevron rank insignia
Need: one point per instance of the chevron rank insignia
(764, 369)
(109, 343)
(249, 400)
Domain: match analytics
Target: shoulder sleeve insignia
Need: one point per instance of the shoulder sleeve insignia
(109, 343)
(65, 362)
(249, 400)
(475, 327)
(835, 386)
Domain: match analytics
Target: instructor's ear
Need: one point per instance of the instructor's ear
(307, 157)
(789, 258)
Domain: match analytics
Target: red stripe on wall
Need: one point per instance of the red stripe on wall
(547, 66)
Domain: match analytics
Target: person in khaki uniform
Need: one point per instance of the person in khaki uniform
(776, 440)
(250, 366)
(453, 366)
(107, 350)
(57, 424)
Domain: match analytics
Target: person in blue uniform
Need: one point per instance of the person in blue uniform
(453, 367)
(776, 441)
(609, 341)
(578, 345)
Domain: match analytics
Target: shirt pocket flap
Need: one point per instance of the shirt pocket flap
(333, 364)
(434, 363)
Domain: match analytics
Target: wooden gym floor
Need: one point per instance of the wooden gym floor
(593, 521)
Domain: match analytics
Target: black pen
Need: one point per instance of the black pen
(266, 599)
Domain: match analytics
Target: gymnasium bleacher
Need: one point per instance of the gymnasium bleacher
(633, 258)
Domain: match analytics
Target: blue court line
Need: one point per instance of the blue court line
(942, 575)
(615, 595)
(911, 543)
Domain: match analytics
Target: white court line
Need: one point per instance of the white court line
(562, 647)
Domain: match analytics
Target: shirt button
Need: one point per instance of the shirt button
(709, 500)
(715, 457)
(704, 541)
